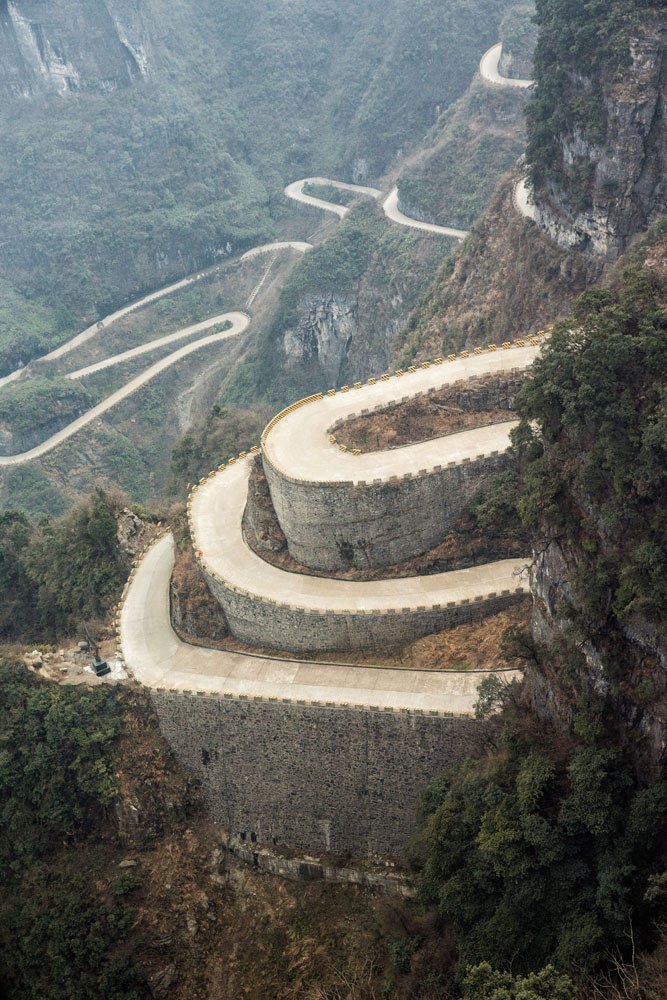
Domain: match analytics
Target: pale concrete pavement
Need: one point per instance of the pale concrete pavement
(299, 245)
(523, 199)
(393, 212)
(295, 192)
(152, 345)
(158, 658)
(389, 205)
(216, 525)
(239, 325)
(489, 70)
(298, 445)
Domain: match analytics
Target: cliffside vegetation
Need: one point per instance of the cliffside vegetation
(518, 35)
(57, 574)
(598, 398)
(221, 435)
(582, 49)
(236, 100)
(507, 280)
(34, 408)
(474, 142)
(551, 848)
(338, 310)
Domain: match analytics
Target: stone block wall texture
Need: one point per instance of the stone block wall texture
(265, 623)
(312, 778)
(335, 526)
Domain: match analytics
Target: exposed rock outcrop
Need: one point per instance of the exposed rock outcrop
(194, 613)
(518, 34)
(78, 45)
(604, 191)
(323, 336)
(638, 696)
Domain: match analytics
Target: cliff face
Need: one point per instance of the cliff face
(603, 180)
(594, 494)
(636, 696)
(518, 34)
(344, 337)
(75, 45)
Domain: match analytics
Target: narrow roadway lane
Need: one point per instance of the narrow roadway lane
(159, 659)
(239, 323)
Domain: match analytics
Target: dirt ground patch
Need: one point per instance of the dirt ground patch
(459, 407)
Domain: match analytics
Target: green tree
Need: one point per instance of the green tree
(484, 983)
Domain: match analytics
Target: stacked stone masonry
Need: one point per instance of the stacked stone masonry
(335, 526)
(328, 780)
(342, 525)
(264, 623)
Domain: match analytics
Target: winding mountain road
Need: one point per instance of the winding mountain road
(489, 69)
(95, 328)
(267, 248)
(239, 323)
(490, 72)
(303, 452)
(295, 191)
(153, 345)
(159, 659)
(300, 444)
(225, 554)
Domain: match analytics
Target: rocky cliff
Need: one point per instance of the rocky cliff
(594, 495)
(619, 663)
(518, 34)
(76, 45)
(508, 279)
(340, 310)
(598, 126)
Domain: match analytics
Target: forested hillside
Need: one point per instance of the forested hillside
(109, 189)
(476, 140)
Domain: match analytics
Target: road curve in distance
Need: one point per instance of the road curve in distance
(239, 323)
(101, 324)
(152, 345)
(523, 199)
(389, 205)
(299, 245)
(296, 193)
(393, 212)
(489, 70)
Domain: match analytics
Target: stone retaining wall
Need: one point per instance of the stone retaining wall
(309, 870)
(336, 526)
(341, 525)
(318, 779)
(264, 623)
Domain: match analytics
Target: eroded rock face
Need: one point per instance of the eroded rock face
(324, 334)
(260, 524)
(71, 46)
(132, 533)
(624, 662)
(627, 190)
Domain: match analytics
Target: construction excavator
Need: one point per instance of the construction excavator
(100, 666)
